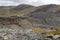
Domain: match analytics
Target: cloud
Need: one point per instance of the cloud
(51, 1)
(7, 3)
(43, 2)
(31, 2)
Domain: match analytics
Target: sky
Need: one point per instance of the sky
(31, 2)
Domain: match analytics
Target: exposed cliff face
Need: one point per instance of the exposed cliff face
(9, 20)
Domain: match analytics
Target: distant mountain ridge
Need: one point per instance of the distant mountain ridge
(15, 10)
(21, 7)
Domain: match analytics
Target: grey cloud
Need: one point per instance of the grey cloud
(39, 2)
(13, 0)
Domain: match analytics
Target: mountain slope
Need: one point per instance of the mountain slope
(15, 10)
(27, 16)
(46, 15)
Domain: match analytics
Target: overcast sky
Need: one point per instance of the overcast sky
(31, 2)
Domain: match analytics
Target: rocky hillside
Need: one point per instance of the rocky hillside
(31, 16)
(26, 22)
(46, 15)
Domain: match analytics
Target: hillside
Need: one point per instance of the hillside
(31, 16)
(46, 15)
(27, 22)
(15, 10)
